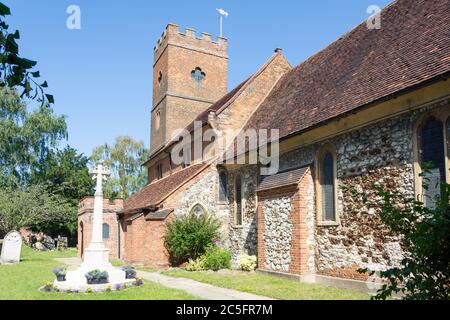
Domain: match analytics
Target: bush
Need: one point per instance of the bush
(246, 262)
(424, 272)
(188, 237)
(196, 265)
(217, 258)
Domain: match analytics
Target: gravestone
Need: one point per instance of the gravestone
(62, 243)
(11, 248)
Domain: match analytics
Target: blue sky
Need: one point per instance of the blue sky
(101, 75)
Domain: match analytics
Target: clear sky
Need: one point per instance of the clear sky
(101, 75)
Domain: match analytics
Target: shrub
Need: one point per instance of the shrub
(246, 262)
(217, 258)
(196, 265)
(424, 272)
(188, 237)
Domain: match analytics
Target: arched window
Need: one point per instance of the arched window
(431, 145)
(223, 186)
(197, 74)
(105, 231)
(198, 210)
(238, 200)
(326, 186)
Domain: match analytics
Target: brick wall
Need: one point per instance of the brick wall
(85, 220)
(176, 95)
(144, 242)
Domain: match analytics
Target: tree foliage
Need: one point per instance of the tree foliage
(65, 173)
(189, 237)
(26, 137)
(124, 158)
(36, 209)
(424, 272)
(16, 71)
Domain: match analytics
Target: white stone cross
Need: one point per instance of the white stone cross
(100, 173)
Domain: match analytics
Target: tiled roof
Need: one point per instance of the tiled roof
(156, 192)
(158, 215)
(362, 67)
(282, 179)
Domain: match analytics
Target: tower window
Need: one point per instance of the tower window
(159, 171)
(157, 120)
(160, 76)
(197, 74)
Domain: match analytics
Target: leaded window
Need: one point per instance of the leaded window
(105, 231)
(223, 187)
(238, 200)
(327, 186)
(432, 159)
(198, 210)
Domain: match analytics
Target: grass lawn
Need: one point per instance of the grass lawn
(269, 286)
(21, 282)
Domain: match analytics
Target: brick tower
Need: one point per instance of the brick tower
(189, 74)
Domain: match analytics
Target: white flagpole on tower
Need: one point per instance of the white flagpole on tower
(222, 13)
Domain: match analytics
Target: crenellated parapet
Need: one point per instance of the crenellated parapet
(189, 39)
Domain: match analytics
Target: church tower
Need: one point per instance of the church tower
(189, 75)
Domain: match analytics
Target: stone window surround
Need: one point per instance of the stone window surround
(442, 114)
(327, 148)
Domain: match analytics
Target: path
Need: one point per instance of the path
(199, 289)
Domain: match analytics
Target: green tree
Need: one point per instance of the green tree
(124, 158)
(26, 137)
(36, 209)
(424, 273)
(16, 71)
(66, 173)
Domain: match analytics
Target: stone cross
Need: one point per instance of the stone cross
(11, 248)
(100, 173)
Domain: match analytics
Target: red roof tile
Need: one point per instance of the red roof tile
(153, 194)
(363, 66)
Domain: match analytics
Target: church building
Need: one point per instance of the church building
(369, 108)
